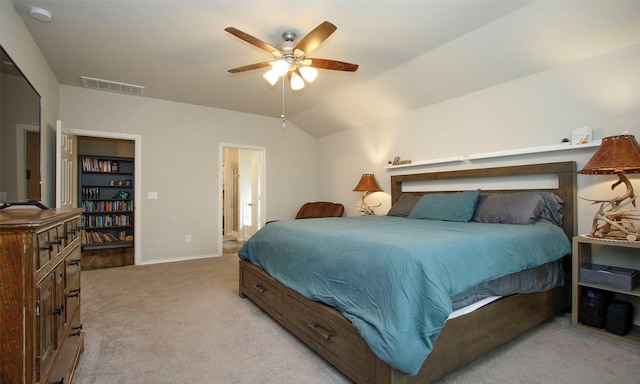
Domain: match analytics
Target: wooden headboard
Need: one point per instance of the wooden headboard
(564, 171)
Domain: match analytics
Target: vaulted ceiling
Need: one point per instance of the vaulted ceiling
(411, 53)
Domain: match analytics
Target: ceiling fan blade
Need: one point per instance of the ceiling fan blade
(314, 38)
(333, 65)
(250, 67)
(251, 40)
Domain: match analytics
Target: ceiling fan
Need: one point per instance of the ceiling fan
(291, 57)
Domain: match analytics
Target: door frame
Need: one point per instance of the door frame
(21, 158)
(137, 183)
(263, 183)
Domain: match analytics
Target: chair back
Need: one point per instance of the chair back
(320, 209)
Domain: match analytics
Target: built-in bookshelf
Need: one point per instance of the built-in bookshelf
(106, 194)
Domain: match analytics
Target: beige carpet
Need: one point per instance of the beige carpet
(231, 246)
(185, 323)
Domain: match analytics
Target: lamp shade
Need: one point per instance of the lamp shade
(308, 73)
(616, 154)
(296, 82)
(281, 67)
(271, 76)
(367, 183)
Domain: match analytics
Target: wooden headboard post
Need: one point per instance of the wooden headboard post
(564, 171)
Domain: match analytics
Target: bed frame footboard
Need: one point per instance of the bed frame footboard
(462, 340)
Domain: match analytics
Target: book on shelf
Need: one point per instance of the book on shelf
(107, 206)
(92, 164)
(97, 237)
(100, 221)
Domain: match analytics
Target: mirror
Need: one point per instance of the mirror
(19, 135)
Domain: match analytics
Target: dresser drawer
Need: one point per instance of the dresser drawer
(343, 343)
(261, 291)
(72, 299)
(72, 229)
(72, 266)
(64, 366)
(60, 237)
(44, 249)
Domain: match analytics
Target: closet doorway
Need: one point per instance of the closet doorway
(242, 194)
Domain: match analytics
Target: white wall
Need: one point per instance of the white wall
(538, 110)
(180, 161)
(602, 93)
(19, 44)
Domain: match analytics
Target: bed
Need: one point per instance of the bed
(348, 339)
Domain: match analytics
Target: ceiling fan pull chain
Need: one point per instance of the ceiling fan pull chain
(282, 116)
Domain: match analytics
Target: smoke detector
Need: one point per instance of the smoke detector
(40, 14)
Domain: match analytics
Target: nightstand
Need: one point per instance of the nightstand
(582, 256)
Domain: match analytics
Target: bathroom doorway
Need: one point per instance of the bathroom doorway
(242, 194)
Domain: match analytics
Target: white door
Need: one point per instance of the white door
(65, 161)
(256, 166)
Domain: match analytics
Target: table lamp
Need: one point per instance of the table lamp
(367, 184)
(616, 218)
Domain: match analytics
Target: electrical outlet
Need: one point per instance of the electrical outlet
(187, 238)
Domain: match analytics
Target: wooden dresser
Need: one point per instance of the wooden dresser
(40, 326)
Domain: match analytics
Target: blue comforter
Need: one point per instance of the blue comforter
(394, 277)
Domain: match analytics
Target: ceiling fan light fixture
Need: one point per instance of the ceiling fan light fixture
(281, 67)
(308, 73)
(271, 76)
(296, 82)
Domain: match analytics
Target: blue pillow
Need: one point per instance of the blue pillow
(446, 206)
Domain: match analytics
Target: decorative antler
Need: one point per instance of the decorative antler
(611, 220)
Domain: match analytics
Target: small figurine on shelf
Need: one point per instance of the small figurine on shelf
(121, 195)
(397, 161)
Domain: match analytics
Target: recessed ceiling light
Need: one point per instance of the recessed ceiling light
(40, 14)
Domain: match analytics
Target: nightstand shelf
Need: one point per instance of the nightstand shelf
(582, 255)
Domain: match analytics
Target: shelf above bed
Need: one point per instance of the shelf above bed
(488, 155)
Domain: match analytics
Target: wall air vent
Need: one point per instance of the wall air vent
(113, 86)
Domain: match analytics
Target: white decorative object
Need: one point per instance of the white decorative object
(581, 136)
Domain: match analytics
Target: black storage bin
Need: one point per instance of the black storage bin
(619, 317)
(593, 307)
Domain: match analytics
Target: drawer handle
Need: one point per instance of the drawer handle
(258, 288)
(74, 262)
(77, 329)
(59, 242)
(317, 329)
(74, 293)
(59, 310)
(61, 381)
(47, 248)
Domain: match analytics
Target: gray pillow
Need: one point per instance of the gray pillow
(552, 211)
(404, 205)
(509, 208)
(457, 206)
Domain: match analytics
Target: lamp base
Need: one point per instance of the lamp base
(613, 220)
(366, 209)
